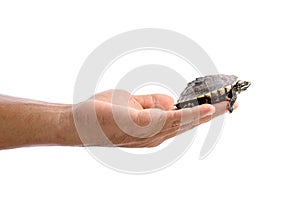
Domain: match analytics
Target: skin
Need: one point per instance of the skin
(110, 118)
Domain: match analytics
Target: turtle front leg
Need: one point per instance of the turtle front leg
(232, 96)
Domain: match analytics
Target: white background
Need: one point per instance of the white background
(42, 47)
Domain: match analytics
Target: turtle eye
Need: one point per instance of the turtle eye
(198, 83)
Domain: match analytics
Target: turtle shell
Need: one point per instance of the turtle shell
(208, 89)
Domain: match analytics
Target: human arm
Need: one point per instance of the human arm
(26, 122)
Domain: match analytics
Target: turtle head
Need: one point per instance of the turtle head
(242, 85)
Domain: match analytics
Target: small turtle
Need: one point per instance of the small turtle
(212, 89)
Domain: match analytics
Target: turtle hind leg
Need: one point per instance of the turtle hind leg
(233, 96)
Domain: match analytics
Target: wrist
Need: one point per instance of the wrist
(66, 133)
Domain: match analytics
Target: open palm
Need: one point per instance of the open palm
(117, 118)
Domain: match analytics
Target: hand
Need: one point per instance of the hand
(117, 118)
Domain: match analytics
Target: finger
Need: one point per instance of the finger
(205, 120)
(174, 131)
(183, 126)
(160, 138)
(175, 118)
(222, 108)
(235, 106)
(161, 101)
(186, 119)
(187, 126)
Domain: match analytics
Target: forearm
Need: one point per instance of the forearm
(26, 122)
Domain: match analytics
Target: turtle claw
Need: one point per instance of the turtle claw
(233, 98)
(230, 108)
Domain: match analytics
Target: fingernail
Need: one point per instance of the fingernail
(211, 110)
